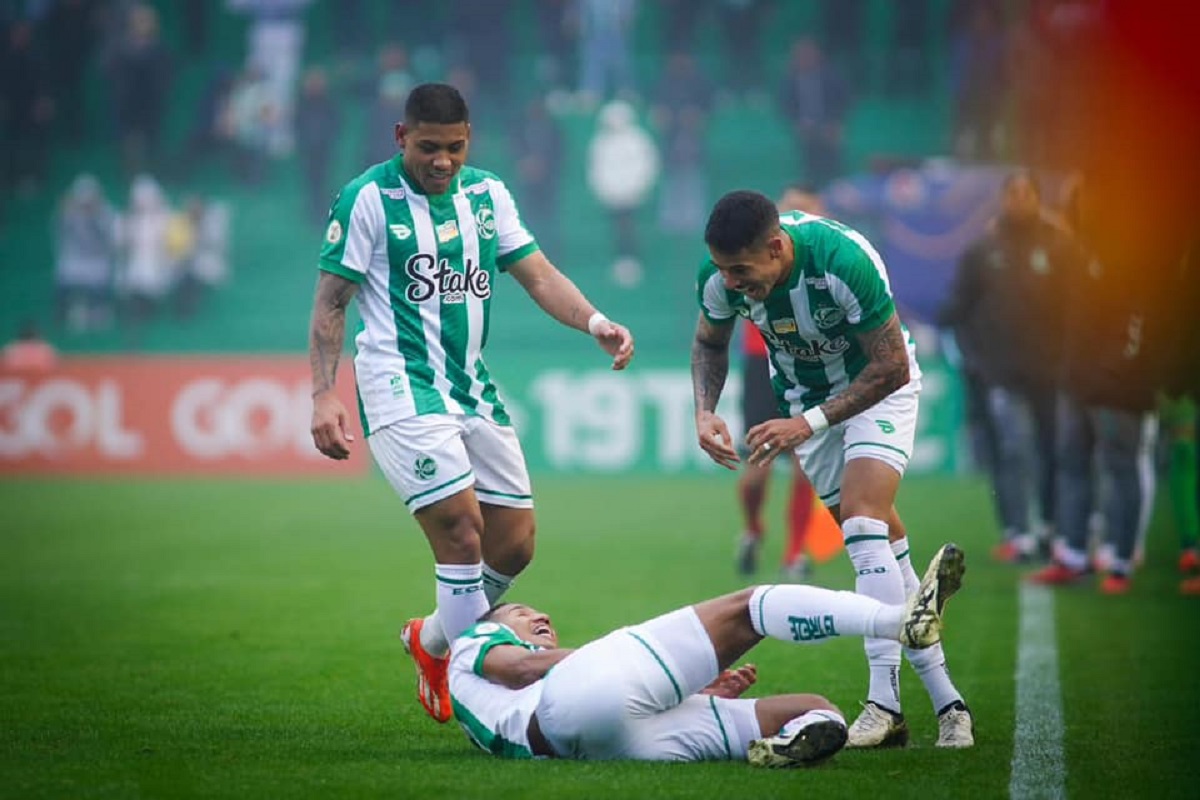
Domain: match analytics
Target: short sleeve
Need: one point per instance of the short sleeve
(858, 281)
(514, 241)
(354, 224)
(712, 296)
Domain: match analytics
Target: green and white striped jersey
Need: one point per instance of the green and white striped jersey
(426, 265)
(495, 717)
(838, 287)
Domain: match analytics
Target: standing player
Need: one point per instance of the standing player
(423, 236)
(758, 405)
(844, 368)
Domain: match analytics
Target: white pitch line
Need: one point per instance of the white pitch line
(1038, 765)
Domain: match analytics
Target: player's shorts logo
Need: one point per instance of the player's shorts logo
(485, 222)
(424, 467)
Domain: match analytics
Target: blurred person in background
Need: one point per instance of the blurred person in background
(622, 168)
(1183, 382)
(979, 80)
(140, 72)
(682, 106)
(435, 423)
(274, 49)
(1110, 381)
(741, 23)
(85, 241)
(29, 352)
(318, 122)
(147, 271)
(390, 88)
(1004, 308)
(845, 370)
(201, 244)
(667, 690)
(605, 60)
(27, 109)
(759, 405)
(814, 100)
(540, 152)
(70, 32)
(249, 118)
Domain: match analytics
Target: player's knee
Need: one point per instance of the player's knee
(823, 704)
(455, 539)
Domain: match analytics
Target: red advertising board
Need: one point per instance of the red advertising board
(168, 415)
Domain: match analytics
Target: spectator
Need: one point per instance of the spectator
(27, 106)
(29, 352)
(274, 50)
(555, 33)
(814, 100)
(70, 33)
(85, 241)
(205, 264)
(207, 136)
(979, 82)
(140, 71)
(605, 64)
(388, 93)
(741, 23)
(147, 273)
(540, 163)
(318, 121)
(682, 107)
(623, 167)
(247, 125)
(1006, 310)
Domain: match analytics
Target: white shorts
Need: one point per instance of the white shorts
(886, 432)
(632, 695)
(433, 456)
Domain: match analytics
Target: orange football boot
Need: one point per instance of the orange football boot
(433, 679)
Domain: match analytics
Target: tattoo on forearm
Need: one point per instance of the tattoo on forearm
(886, 371)
(710, 364)
(327, 330)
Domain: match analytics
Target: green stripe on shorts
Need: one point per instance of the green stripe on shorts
(661, 663)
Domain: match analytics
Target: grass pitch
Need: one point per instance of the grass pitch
(238, 639)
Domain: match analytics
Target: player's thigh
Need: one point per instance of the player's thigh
(885, 432)
(501, 477)
(701, 728)
(423, 458)
(822, 459)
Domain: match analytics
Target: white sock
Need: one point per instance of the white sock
(810, 615)
(878, 576)
(495, 584)
(907, 573)
(809, 717)
(460, 602)
(930, 662)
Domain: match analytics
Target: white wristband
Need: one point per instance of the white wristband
(816, 420)
(594, 322)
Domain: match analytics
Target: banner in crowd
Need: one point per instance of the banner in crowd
(213, 415)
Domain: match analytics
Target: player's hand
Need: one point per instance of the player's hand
(715, 440)
(768, 439)
(733, 683)
(331, 426)
(617, 341)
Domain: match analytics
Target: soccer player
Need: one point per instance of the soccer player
(419, 240)
(845, 370)
(664, 690)
(758, 405)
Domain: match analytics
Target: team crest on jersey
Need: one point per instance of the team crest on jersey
(400, 231)
(393, 194)
(783, 326)
(828, 316)
(485, 222)
(447, 231)
(333, 234)
(424, 467)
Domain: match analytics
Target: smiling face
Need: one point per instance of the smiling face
(755, 270)
(433, 152)
(529, 624)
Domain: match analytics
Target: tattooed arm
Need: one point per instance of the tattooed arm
(886, 371)
(710, 367)
(326, 335)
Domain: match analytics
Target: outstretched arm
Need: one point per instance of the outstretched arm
(515, 667)
(326, 335)
(558, 296)
(710, 367)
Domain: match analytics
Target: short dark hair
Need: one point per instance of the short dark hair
(1022, 174)
(740, 220)
(438, 103)
(491, 612)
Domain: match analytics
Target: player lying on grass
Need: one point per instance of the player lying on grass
(664, 690)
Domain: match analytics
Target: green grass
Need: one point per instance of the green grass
(238, 639)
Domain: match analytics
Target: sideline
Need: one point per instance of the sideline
(1038, 764)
